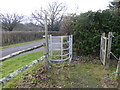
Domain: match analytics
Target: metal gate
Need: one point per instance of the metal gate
(60, 48)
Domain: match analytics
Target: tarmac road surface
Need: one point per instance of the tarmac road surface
(11, 50)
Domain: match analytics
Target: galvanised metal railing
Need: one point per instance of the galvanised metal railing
(57, 44)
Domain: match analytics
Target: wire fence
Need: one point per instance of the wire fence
(112, 52)
(114, 56)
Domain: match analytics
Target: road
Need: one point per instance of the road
(10, 50)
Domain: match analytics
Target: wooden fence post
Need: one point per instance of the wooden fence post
(61, 47)
(101, 45)
(103, 48)
(118, 75)
(109, 50)
(46, 42)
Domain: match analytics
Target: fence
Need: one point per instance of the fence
(105, 51)
(60, 48)
(103, 48)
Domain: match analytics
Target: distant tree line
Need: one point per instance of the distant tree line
(55, 12)
(9, 22)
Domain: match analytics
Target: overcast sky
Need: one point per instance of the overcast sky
(25, 7)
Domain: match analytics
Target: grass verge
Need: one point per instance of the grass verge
(19, 78)
(77, 74)
(19, 44)
(15, 63)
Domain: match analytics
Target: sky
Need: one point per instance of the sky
(26, 7)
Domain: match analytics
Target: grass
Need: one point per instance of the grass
(77, 74)
(15, 63)
(19, 44)
(19, 77)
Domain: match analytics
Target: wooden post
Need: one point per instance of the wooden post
(46, 42)
(101, 45)
(100, 48)
(109, 49)
(61, 47)
(118, 75)
(103, 48)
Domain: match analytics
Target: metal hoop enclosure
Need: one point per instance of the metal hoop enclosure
(60, 42)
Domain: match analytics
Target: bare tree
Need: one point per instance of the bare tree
(10, 21)
(55, 12)
(67, 23)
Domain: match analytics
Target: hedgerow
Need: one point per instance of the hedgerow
(88, 27)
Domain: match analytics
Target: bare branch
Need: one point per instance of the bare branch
(55, 13)
(9, 22)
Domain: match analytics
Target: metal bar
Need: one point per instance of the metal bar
(60, 60)
(58, 49)
(70, 50)
(60, 43)
(51, 45)
(69, 41)
(60, 55)
(70, 47)
(60, 36)
(114, 56)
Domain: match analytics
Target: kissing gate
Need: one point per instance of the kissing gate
(60, 48)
